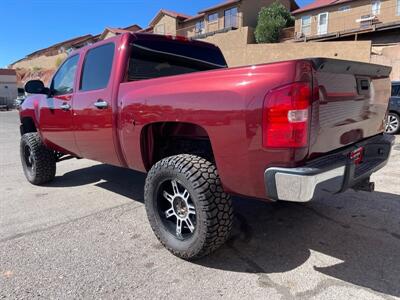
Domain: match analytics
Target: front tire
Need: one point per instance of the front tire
(186, 206)
(38, 162)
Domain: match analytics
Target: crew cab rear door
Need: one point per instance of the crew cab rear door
(92, 105)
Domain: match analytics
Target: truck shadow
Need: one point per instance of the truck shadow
(358, 234)
(125, 182)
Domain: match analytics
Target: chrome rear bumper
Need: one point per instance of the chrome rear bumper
(301, 184)
(330, 174)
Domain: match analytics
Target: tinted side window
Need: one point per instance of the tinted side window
(63, 81)
(97, 68)
(395, 90)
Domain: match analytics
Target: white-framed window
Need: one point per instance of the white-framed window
(323, 23)
(200, 28)
(214, 17)
(306, 25)
(344, 8)
(376, 7)
(231, 17)
(398, 7)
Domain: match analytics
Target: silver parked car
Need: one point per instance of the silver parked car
(393, 118)
(18, 102)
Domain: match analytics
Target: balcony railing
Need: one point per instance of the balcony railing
(286, 34)
(349, 21)
(210, 28)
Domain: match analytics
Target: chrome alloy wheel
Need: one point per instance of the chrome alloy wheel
(392, 123)
(176, 209)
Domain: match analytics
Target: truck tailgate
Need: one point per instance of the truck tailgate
(353, 100)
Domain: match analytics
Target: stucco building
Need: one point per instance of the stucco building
(42, 63)
(224, 17)
(362, 30)
(8, 87)
(376, 20)
(50, 57)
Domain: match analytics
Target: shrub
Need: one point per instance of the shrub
(270, 22)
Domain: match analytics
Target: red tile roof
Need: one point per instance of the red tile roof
(225, 3)
(8, 72)
(147, 29)
(72, 41)
(175, 14)
(129, 29)
(133, 28)
(195, 17)
(171, 14)
(117, 30)
(319, 4)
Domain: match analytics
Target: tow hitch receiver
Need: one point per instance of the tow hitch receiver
(365, 186)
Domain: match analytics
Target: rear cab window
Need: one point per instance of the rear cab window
(153, 58)
(96, 70)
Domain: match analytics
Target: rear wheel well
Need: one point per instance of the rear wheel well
(161, 140)
(27, 125)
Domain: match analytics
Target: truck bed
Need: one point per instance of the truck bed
(228, 104)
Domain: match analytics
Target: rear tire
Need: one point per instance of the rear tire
(186, 206)
(38, 162)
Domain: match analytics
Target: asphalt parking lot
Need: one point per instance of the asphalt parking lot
(86, 235)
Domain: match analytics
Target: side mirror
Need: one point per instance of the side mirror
(36, 87)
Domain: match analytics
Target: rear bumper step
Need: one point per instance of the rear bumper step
(330, 174)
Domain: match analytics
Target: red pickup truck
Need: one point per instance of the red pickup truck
(285, 131)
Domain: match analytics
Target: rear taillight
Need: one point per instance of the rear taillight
(286, 116)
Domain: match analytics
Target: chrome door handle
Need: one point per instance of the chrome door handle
(65, 106)
(101, 104)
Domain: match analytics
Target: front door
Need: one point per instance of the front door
(323, 23)
(56, 124)
(92, 106)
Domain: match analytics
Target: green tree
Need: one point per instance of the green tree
(271, 20)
